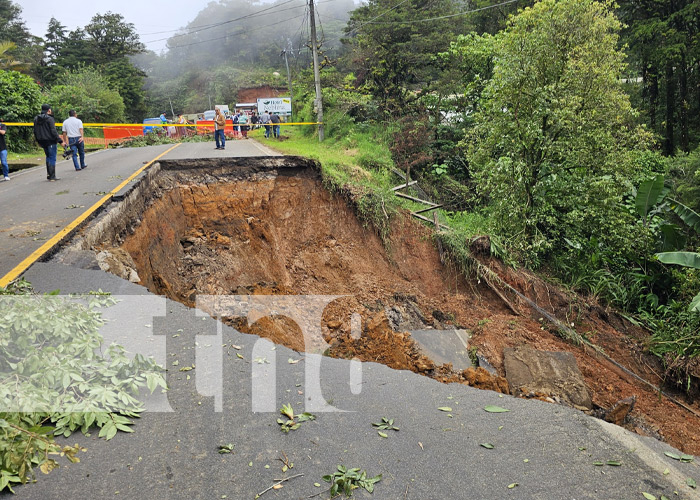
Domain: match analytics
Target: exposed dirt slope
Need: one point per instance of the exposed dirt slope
(285, 234)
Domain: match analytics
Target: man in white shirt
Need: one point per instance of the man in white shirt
(73, 137)
(265, 120)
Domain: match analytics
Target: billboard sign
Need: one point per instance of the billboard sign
(279, 105)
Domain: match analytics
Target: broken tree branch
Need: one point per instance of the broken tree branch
(404, 185)
(277, 483)
(439, 241)
(427, 209)
(418, 216)
(416, 199)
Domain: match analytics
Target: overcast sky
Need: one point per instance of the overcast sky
(150, 17)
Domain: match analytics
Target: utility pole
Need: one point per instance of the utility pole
(289, 79)
(317, 76)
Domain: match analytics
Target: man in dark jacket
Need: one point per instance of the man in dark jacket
(46, 135)
(275, 120)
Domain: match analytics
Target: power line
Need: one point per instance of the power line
(378, 16)
(247, 16)
(246, 30)
(203, 27)
(441, 17)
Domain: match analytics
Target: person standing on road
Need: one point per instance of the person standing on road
(182, 130)
(219, 126)
(275, 119)
(265, 120)
(3, 151)
(243, 121)
(164, 122)
(46, 135)
(236, 128)
(73, 136)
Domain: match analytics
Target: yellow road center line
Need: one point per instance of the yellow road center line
(36, 254)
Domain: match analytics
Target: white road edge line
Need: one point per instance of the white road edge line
(651, 458)
(265, 149)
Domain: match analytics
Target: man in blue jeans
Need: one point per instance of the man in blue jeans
(3, 151)
(275, 120)
(73, 136)
(265, 120)
(219, 127)
(47, 137)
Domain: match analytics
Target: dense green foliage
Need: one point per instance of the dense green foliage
(394, 56)
(663, 40)
(54, 381)
(12, 29)
(554, 118)
(87, 91)
(20, 100)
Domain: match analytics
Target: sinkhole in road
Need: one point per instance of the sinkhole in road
(268, 226)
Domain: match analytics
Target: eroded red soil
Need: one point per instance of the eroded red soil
(287, 235)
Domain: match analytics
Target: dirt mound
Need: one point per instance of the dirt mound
(277, 234)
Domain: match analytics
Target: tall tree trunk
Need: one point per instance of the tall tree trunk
(653, 97)
(685, 105)
(669, 144)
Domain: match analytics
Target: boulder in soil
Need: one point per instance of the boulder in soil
(544, 372)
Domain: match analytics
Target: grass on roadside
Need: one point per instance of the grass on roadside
(345, 169)
(359, 164)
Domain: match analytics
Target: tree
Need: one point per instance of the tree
(12, 29)
(54, 41)
(549, 147)
(664, 37)
(7, 62)
(111, 38)
(128, 80)
(87, 91)
(20, 100)
(392, 53)
(76, 51)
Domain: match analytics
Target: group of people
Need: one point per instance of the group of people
(73, 141)
(241, 126)
(271, 121)
(48, 138)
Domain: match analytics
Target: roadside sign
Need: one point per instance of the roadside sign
(279, 105)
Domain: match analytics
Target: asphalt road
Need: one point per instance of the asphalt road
(34, 209)
(540, 450)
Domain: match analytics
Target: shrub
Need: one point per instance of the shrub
(20, 101)
(54, 381)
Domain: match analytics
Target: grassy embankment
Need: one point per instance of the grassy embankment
(359, 164)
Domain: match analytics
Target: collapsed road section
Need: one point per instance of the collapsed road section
(268, 226)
